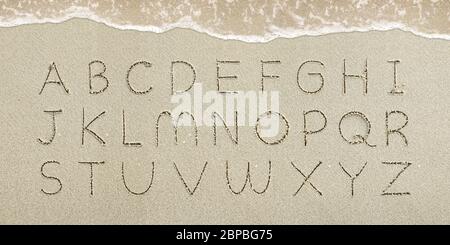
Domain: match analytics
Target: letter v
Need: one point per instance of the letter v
(190, 191)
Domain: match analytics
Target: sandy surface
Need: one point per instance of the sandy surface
(27, 51)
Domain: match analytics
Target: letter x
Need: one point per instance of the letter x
(306, 178)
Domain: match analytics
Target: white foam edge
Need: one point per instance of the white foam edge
(274, 32)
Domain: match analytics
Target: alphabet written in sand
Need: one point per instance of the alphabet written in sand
(314, 122)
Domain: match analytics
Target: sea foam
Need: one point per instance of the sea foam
(248, 21)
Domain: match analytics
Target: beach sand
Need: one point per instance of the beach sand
(28, 51)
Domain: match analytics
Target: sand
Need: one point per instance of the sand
(28, 51)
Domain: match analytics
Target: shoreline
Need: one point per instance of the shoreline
(227, 20)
